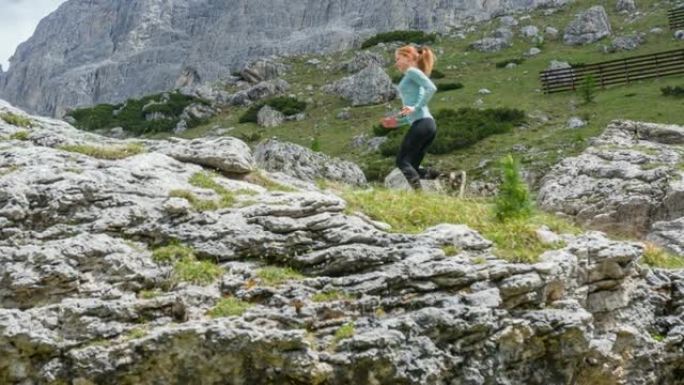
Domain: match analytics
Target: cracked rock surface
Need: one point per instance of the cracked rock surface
(630, 180)
(83, 301)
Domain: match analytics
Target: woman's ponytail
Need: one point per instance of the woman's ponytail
(426, 60)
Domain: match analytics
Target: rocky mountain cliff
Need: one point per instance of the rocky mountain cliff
(143, 268)
(630, 180)
(96, 51)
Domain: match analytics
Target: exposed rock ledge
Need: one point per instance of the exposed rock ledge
(630, 181)
(75, 259)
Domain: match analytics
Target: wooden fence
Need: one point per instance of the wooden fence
(614, 72)
(675, 17)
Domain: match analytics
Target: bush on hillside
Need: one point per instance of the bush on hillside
(131, 115)
(513, 200)
(461, 128)
(316, 143)
(379, 130)
(391, 147)
(441, 87)
(418, 37)
(437, 74)
(504, 63)
(466, 126)
(677, 91)
(252, 137)
(285, 104)
(588, 89)
(93, 118)
(376, 169)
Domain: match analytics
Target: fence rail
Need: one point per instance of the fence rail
(614, 72)
(675, 18)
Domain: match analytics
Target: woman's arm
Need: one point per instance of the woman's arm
(426, 87)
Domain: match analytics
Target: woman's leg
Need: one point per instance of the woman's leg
(430, 128)
(413, 149)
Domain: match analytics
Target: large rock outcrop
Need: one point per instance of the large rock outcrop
(371, 85)
(131, 48)
(307, 165)
(589, 26)
(82, 300)
(631, 177)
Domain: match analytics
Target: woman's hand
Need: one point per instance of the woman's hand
(390, 122)
(406, 110)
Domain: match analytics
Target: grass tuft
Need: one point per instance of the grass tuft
(656, 256)
(110, 153)
(229, 307)
(407, 212)
(274, 276)
(450, 250)
(197, 272)
(206, 180)
(345, 331)
(197, 203)
(172, 253)
(20, 135)
(149, 294)
(15, 120)
(332, 295)
(258, 178)
(186, 267)
(136, 333)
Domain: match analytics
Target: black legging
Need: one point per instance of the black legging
(413, 149)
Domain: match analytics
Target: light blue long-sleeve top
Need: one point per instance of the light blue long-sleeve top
(415, 90)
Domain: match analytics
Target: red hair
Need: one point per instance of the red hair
(422, 55)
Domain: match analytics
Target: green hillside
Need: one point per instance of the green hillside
(540, 142)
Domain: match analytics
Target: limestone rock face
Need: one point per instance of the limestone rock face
(589, 26)
(304, 164)
(270, 117)
(244, 97)
(86, 296)
(529, 31)
(396, 180)
(491, 44)
(625, 6)
(369, 86)
(626, 43)
(629, 179)
(263, 69)
(132, 48)
(669, 233)
(362, 60)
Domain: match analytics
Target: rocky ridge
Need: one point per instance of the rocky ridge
(83, 300)
(630, 180)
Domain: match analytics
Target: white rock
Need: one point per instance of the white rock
(533, 51)
(529, 31)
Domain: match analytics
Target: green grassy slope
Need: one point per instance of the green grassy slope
(545, 141)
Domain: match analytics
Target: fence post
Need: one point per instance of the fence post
(603, 85)
(572, 77)
(546, 82)
(624, 65)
